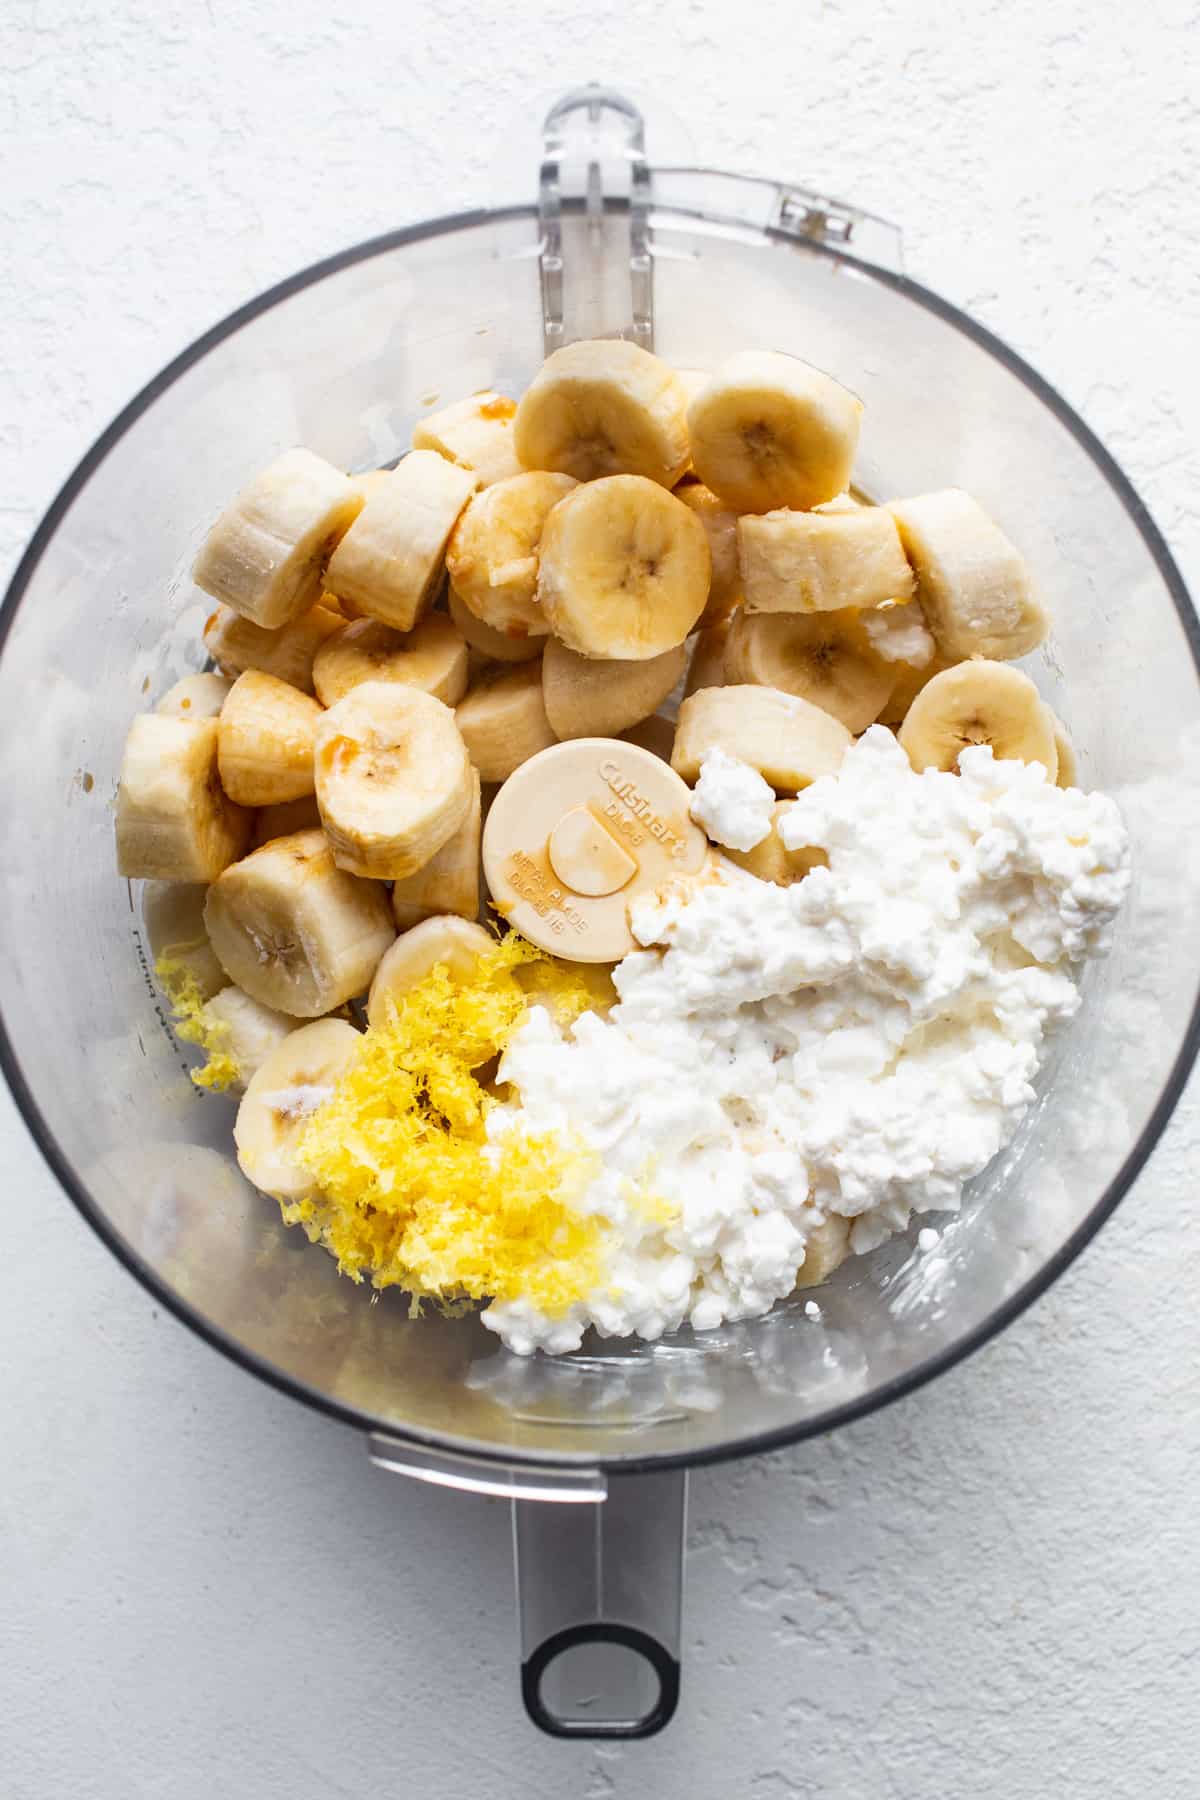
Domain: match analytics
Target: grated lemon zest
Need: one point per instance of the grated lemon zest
(193, 1026)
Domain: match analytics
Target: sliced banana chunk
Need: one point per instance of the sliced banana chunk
(366, 484)
(488, 644)
(237, 644)
(458, 943)
(771, 860)
(449, 881)
(1068, 765)
(173, 914)
(604, 407)
(770, 430)
(788, 740)
(826, 1247)
(432, 657)
(265, 741)
(823, 657)
(249, 1032)
(393, 779)
(492, 556)
(587, 697)
(721, 529)
(707, 668)
(266, 554)
(909, 682)
(195, 697)
(390, 561)
(972, 582)
(476, 433)
(624, 569)
(174, 821)
(298, 1078)
(803, 562)
(503, 720)
(979, 702)
(656, 734)
(296, 932)
(285, 818)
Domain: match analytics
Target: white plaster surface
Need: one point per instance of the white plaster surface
(991, 1590)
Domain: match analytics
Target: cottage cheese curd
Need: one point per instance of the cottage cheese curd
(861, 1043)
(731, 801)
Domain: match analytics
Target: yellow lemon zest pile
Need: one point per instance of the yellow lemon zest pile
(193, 1026)
(410, 1192)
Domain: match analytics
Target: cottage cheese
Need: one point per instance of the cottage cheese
(861, 1043)
(731, 801)
(900, 634)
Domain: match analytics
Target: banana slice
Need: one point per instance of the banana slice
(721, 529)
(973, 585)
(393, 779)
(249, 1033)
(266, 554)
(293, 930)
(432, 657)
(909, 682)
(708, 659)
(624, 570)
(173, 914)
(174, 822)
(1068, 766)
(489, 644)
(770, 430)
(826, 1247)
(823, 657)
(503, 720)
(265, 741)
(283, 819)
(366, 484)
(656, 734)
(770, 859)
(804, 562)
(288, 654)
(492, 555)
(449, 882)
(692, 380)
(603, 407)
(476, 433)
(415, 954)
(294, 1081)
(390, 561)
(195, 697)
(979, 703)
(585, 697)
(788, 740)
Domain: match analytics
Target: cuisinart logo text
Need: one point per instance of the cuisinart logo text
(630, 794)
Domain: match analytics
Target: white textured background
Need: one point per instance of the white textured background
(993, 1589)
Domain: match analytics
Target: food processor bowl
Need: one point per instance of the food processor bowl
(102, 615)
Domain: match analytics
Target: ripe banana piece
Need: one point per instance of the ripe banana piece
(826, 1247)
(979, 703)
(488, 644)
(1068, 766)
(972, 583)
(624, 569)
(288, 654)
(655, 734)
(249, 1032)
(823, 657)
(604, 407)
(283, 819)
(476, 433)
(788, 740)
(293, 930)
(770, 430)
(389, 563)
(173, 914)
(586, 697)
(503, 720)
(297, 1078)
(195, 697)
(492, 556)
(804, 562)
(909, 682)
(393, 779)
(174, 822)
(366, 484)
(449, 881)
(708, 659)
(415, 954)
(432, 657)
(771, 861)
(721, 529)
(265, 738)
(266, 554)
